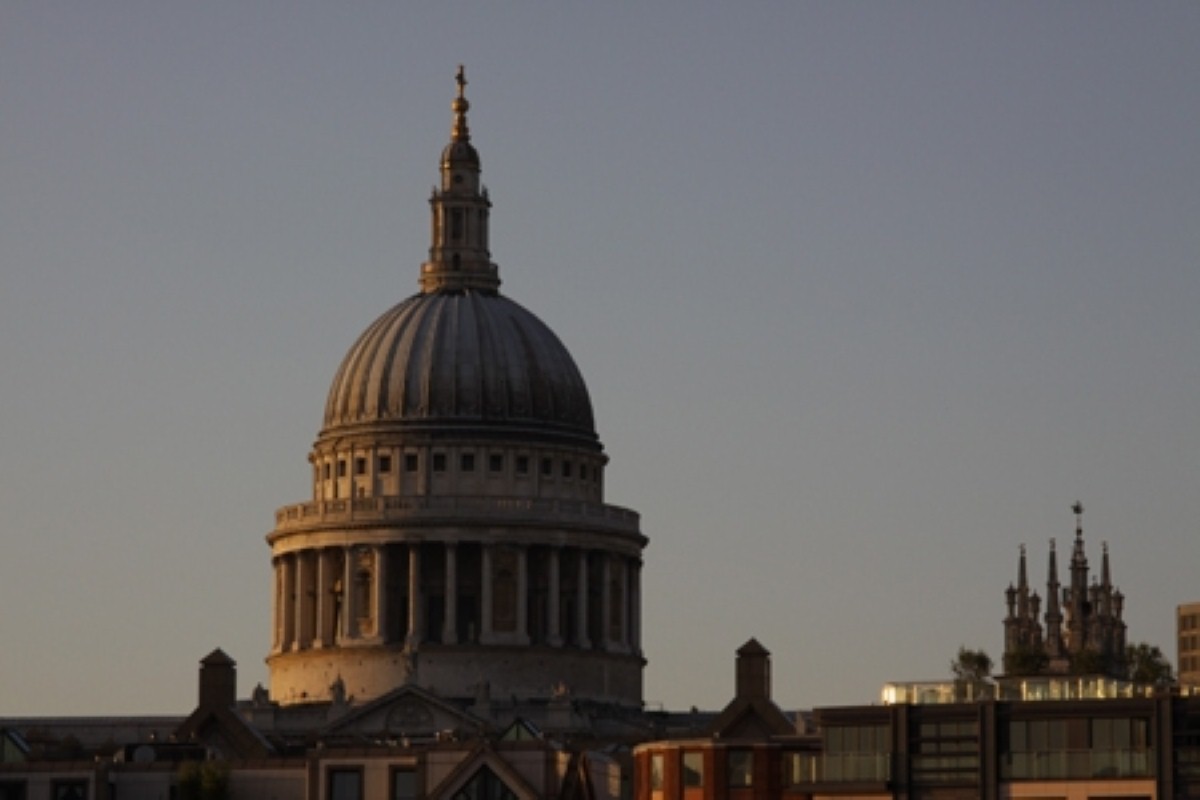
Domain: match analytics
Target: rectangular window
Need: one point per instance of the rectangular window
(360, 466)
(799, 768)
(69, 790)
(522, 465)
(345, 784)
(547, 467)
(439, 462)
(583, 472)
(325, 471)
(741, 767)
(404, 784)
(341, 468)
(656, 772)
(496, 462)
(693, 770)
(857, 753)
(466, 462)
(385, 464)
(566, 469)
(410, 462)
(947, 751)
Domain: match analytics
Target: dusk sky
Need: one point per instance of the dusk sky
(866, 295)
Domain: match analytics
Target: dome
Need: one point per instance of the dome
(457, 525)
(460, 154)
(460, 360)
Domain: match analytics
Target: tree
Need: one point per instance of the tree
(1145, 663)
(971, 665)
(206, 781)
(1089, 662)
(1025, 662)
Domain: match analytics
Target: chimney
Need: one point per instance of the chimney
(753, 671)
(218, 680)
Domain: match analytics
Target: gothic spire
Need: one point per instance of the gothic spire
(1054, 615)
(1052, 579)
(1022, 587)
(1078, 557)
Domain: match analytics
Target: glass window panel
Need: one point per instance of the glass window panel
(404, 784)
(345, 784)
(741, 768)
(693, 770)
(656, 771)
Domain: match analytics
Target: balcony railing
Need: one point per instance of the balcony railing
(1064, 764)
(368, 510)
(1025, 689)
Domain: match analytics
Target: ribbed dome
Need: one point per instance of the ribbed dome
(464, 358)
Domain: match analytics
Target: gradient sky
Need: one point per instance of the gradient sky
(866, 295)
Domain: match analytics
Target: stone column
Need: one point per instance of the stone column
(635, 606)
(324, 600)
(523, 595)
(626, 645)
(605, 601)
(553, 626)
(450, 624)
(349, 612)
(303, 602)
(277, 609)
(288, 628)
(581, 610)
(380, 594)
(415, 634)
(485, 624)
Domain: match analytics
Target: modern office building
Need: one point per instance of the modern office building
(1049, 738)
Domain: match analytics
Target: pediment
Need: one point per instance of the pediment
(752, 719)
(487, 773)
(408, 712)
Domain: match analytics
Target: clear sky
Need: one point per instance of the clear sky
(866, 295)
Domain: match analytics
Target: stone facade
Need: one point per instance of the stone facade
(1083, 628)
(457, 538)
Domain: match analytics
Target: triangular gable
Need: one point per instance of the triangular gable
(224, 731)
(408, 711)
(578, 780)
(521, 730)
(485, 758)
(755, 718)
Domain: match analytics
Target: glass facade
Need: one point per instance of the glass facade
(946, 752)
(1101, 747)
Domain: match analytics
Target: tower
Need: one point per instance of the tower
(457, 538)
(1084, 631)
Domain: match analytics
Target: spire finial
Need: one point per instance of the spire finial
(1078, 509)
(459, 132)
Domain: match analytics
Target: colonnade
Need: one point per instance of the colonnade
(457, 593)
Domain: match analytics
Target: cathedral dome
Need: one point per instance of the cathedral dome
(457, 526)
(460, 360)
